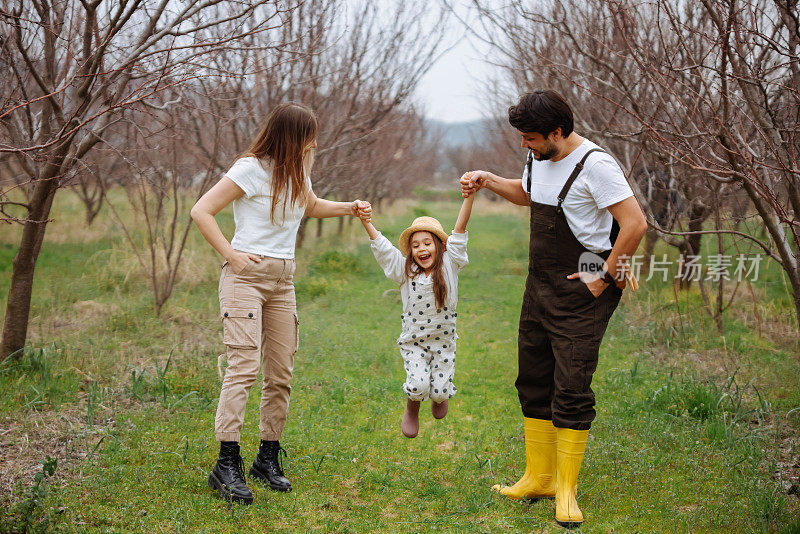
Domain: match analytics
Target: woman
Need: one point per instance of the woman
(270, 189)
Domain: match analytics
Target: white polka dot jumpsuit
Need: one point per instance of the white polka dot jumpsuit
(428, 339)
(428, 344)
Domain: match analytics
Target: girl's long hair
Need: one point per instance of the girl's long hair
(437, 275)
(286, 142)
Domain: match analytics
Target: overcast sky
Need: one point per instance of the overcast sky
(451, 90)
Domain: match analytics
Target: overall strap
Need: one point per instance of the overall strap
(529, 166)
(575, 172)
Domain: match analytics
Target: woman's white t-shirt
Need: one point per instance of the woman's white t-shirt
(255, 233)
(600, 184)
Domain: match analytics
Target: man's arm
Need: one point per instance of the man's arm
(511, 190)
(632, 226)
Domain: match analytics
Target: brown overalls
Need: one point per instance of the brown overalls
(561, 324)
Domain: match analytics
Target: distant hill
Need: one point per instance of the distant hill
(458, 134)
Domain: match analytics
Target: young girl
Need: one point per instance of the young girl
(426, 267)
(270, 189)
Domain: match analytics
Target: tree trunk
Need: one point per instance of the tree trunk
(650, 240)
(301, 232)
(795, 281)
(319, 227)
(697, 215)
(341, 225)
(18, 306)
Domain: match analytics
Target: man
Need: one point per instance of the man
(575, 191)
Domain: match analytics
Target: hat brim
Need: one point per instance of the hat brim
(405, 237)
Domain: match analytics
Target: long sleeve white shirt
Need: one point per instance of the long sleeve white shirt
(393, 264)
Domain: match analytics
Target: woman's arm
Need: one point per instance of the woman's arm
(321, 208)
(463, 215)
(223, 193)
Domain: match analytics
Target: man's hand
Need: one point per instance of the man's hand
(472, 182)
(593, 281)
(361, 209)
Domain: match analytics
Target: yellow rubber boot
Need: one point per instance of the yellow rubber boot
(571, 446)
(539, 480)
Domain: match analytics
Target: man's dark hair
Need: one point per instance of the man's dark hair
(542, 111)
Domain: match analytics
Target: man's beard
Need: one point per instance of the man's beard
(548, 154)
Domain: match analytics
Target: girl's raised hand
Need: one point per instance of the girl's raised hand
(471, 182)
(363, 210)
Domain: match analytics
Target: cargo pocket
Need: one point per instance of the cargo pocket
(296, 333)
(241, 328)
(582, 365)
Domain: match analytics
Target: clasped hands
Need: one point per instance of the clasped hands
(361, 209)
(472, 182)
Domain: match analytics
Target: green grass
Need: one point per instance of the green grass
(694, 432)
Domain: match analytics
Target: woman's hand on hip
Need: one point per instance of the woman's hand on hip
(239, 260)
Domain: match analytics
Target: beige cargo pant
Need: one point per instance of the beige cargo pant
(261, 330)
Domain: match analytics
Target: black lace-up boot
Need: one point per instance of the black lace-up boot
(268, 468)
(227, 477)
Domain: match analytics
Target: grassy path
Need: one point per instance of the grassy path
(678, 445)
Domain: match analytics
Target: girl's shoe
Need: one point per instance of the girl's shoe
(439, 409)
(410, 424)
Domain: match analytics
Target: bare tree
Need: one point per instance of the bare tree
(74, 70)
(575, 50)
(737, 82)
(358, 70)
(89, 187)
(370, 136)
(706, 92)
(162, 180)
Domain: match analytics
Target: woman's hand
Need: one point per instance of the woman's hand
(361, 209)
(239, 260)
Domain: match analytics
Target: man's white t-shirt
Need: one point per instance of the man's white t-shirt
(600, 184)
(255, 233)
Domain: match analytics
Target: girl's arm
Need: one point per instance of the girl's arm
(463, 215)
(223, 193)
(387, 255)
(371, 230)
(321, 208)
(456, 250)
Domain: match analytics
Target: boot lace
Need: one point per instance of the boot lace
(279, 460)
(239, 466)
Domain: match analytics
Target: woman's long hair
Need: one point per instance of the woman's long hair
(437, 275)
(286, 141)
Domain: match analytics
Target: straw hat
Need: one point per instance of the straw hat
(421, 224)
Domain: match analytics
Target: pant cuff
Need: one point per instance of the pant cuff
(270, 436)
(542, 413)
(572, 425)
(228, 436)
